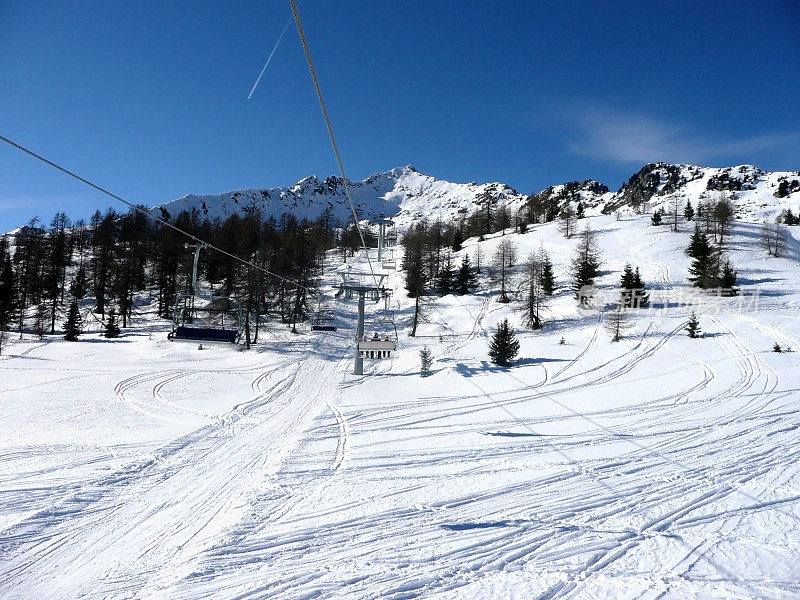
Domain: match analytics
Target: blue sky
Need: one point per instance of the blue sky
(150, 98)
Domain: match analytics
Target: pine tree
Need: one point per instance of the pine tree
(72, 326)
(705, 264)
(458, 239)
(777, 347)
(789, 218)
(586, 262)
(698, 243)
(641, 297)
(547, 279)
(693, 326)
(504, 345)
(9, 303)
(656, 218)
(688, 212)
(40, 319)
(633, 294)
(626, 286)
(579, 210)
(425, 360)
(78, 286)
(112, 329)
(446, 278)
(466, 279)
(728, 277)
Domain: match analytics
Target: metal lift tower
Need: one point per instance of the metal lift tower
(358, 283)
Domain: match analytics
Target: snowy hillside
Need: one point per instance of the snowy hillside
(757, 194)
(655, 467)
(404, 193)
(408, 194)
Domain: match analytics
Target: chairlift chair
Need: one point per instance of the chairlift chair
(380, 346)
(203, 317)
(323, 320)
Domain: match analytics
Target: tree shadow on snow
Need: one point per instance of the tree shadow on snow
(485, 367)
(481, 525)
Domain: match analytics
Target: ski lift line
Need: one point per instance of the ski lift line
(148, 215)
(313, 71)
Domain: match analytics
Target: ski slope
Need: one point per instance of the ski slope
(656, 467)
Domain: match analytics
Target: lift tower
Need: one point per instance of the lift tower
(383, 223)
(359, 284)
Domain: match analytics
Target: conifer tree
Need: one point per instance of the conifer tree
(626, 286)
(656, 218)
(40, 319)
(567, 221)
(697, 243)
(533, 296)
(729, 275)
(641, 296)
(502, 263)
(579, 210)
(72, 326)
(704, 267)
(458, 238)
(586, 262)
(78, 286)
(633, 293)
(789, 218)
(426, 361)
(504, 346)
(466, 279)
(547, 279)
(693, 326)
(112, 330)
(9, 303)
(688, 212)
(617, 322)
(446, 278)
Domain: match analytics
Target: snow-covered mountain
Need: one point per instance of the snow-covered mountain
(758, 194)
(408, 195)
(403, 193)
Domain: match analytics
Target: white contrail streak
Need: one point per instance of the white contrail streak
(271, 54)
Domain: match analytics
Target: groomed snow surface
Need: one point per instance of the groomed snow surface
(656, 467)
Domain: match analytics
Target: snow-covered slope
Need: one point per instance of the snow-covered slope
(757, 194)
(404, 193)
(654, 467)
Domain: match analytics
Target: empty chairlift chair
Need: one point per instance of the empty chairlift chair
(201, 317)
(323, 321)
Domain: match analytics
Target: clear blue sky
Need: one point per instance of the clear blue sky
(150, 98)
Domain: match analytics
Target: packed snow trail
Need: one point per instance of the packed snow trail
(656, 467)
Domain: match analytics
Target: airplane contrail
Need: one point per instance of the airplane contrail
(271, 54)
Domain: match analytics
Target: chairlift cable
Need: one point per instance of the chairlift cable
(146, 213)
(330, 131)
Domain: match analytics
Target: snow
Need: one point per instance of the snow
(403, 193)
(408, 195)
(656, 467)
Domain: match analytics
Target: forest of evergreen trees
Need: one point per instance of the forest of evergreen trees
(107, 263)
